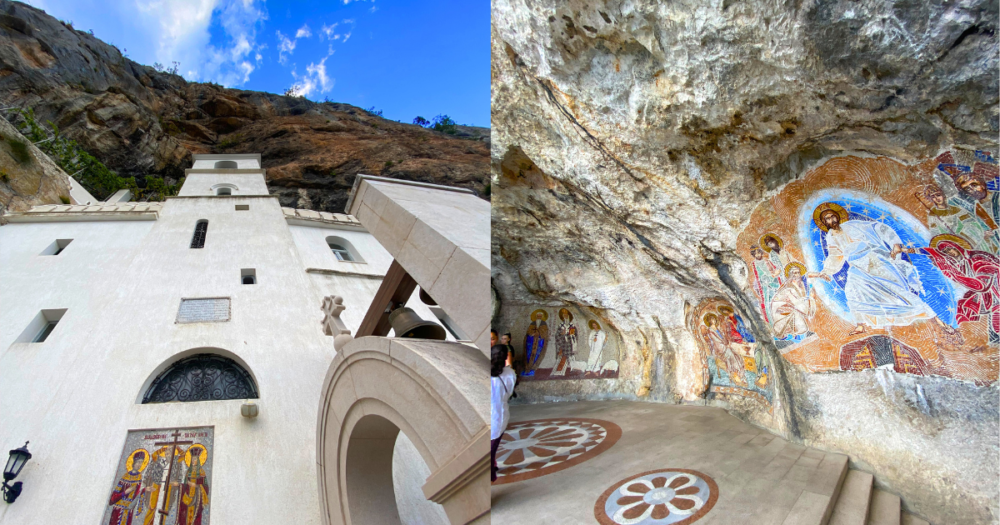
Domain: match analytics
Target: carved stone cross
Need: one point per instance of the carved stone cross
(332, 306)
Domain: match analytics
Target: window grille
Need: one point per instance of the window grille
(200, 230)
(202, 377)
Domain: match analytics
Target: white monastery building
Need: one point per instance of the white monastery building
(172, 363)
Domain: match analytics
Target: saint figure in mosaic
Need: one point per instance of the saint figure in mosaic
(880, 290)
(973, 195)
(766, 283)
(726, 356)
(566, 339)
(534, 341)
(793, 306)
(596, 343)
(127, 493)
(975, 270)
(774, 246)
(948, 218)
(194, 493)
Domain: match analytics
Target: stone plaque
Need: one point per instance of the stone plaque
(164, 476)
(208, 310)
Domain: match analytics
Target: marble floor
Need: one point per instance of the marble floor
(623, 462)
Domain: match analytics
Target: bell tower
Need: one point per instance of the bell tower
(224, 175)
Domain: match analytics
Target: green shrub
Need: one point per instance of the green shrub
(19, 150)
(64, 199)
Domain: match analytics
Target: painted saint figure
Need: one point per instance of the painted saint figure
(977, 271)
(948, 218)
(126, 494)
(974, 196)
(566, 339)
(773, 245)
(152, 482)
(726, 356)
(194, 493)
(880, 290)
(596, 342)
(793, 305)
(534, 341)
(765, 280)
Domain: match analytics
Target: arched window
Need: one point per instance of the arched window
(200, 230)
(226, 164)
(202, 377)
(224, 191)
(343, 250)
(249, 279)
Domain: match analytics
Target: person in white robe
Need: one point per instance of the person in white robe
(880, 290)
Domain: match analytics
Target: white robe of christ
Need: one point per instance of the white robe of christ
(879, 289)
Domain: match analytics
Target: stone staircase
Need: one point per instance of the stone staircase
(839, 496)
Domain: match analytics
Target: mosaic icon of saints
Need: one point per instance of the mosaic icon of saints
(535, 338)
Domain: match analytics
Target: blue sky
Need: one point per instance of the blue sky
(404, 57)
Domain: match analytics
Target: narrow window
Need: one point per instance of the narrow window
(200, 230)
(226, 164)
(39, 329)
(248, 276)
(46, 330)
(57, 247)
(242, 207)
(224, 191)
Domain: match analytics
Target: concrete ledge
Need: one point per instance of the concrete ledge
(82, 216)
(326, 271)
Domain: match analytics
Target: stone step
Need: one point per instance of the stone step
(910, 519)
(854, 501)
(885, 509)
(815, 505)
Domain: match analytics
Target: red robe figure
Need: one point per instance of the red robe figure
(194, 495)
(128, 490)
(975, 270)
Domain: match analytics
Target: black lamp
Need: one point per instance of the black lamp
(16, 462)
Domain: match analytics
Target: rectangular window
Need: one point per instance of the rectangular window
(208, 310)
(200, 230)
(242, 207)
(248, 276)
(41, 327)
(57, 247)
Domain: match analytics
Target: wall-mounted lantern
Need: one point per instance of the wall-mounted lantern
(16, 462)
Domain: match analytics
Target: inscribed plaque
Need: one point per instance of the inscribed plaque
(208, 310)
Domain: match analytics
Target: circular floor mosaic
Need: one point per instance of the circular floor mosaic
(530, 449)
(658, 497)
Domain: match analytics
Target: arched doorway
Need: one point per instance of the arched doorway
(437, 394)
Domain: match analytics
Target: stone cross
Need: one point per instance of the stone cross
(332, 306)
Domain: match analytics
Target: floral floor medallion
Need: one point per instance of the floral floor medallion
(658, 497)
(530, 449)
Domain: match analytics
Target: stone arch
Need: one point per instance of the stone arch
(182, 355)
(439, 398)
(225, 188)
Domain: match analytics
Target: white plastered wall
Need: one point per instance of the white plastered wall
(76, 395)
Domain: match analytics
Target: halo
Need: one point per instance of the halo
(800, 266)
(568, 313)
(937, 239)
(592, 323)
(131, 459)
(545, 315)
(828, 206)
(725, 308)
(201, 457)
(707, 316)
(765, 247)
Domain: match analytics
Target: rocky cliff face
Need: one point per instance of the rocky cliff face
(642, 153)
(142, 122)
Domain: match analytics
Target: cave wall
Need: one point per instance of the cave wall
(641, 150)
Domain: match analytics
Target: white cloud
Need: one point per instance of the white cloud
(329, 31)
(315, 79)
(180, 32)
(285, 45)
(303, 32)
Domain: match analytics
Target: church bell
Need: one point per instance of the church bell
(406, 323)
